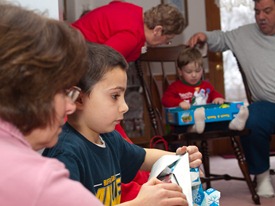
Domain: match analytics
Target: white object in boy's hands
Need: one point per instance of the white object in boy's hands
(176, 167)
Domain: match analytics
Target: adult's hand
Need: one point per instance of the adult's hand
(198, 38)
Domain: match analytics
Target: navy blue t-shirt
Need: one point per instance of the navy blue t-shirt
(100, 169)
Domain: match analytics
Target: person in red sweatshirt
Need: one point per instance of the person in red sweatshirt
(127, 29)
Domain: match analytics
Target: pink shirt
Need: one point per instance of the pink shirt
(27, 178)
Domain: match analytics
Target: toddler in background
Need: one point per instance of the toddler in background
(190, 89)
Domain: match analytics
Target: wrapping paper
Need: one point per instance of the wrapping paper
(209, 197)
(175, 168)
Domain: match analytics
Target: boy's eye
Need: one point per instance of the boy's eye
(115, 96)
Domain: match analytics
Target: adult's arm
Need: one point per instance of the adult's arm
(58, 189)
(216, 40)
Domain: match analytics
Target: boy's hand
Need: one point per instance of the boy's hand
(218, 101)
(194, 155)
(185, 105)
(156, 192)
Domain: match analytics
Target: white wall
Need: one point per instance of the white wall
(197, 18)
(196, 13)
(50, 7)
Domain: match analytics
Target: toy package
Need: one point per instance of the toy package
(213, 113)
(175, 168)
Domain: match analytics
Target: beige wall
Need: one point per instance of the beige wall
(196, 13)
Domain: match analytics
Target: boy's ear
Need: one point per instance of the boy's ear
(157, 30)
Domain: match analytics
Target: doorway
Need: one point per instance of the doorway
(231, 18)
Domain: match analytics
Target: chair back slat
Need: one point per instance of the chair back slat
(157, 68)
(246, 87)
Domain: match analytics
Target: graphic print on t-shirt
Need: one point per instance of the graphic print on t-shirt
(109, 191)
(200, 96)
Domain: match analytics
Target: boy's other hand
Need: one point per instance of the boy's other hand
(156, 192)
(185, 105)
(218, 101)
(194, 155)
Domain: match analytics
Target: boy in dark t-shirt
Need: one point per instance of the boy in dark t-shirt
(95, 154)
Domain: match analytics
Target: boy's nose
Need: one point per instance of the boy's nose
(124, 107)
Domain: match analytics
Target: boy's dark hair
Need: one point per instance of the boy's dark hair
(102, 59)
(188, 55)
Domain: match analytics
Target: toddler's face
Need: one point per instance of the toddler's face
(191, 73)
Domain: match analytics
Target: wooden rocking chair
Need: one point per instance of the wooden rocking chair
(157, 69)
